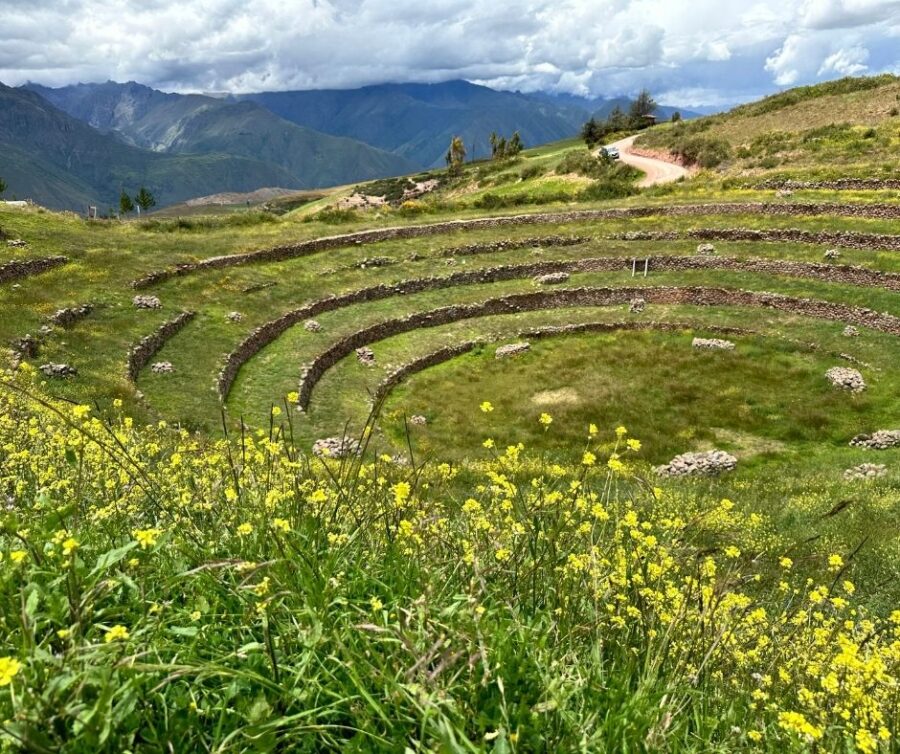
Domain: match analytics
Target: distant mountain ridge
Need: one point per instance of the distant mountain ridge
(418, 120)
(197, 124)
(59, 161)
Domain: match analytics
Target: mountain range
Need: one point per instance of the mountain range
(82, 144)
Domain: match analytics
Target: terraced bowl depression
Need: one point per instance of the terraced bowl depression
(407, 319)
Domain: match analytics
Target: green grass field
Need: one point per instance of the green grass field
(181, 573)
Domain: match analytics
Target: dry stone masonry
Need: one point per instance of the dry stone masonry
(148, 346)
(22, 268)
(846, 379)
(511, 349)
(70, 315)
(707, 463)
(883, 439)
(306, 248)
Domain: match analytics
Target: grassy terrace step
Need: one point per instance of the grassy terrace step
(872, 211)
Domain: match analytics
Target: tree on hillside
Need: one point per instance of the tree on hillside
(515, 145)
(2, 186)
(144, 199)
(617, 120)
(592, 132)
(494, 141)
(676, 116)
(125, 203)
(456, 154)
(643, 106)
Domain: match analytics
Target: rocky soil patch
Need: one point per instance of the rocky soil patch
(846, 379)
(637, 305)
(511, 349)
(879, 440)
(312, 326)
(707, 463)
(866, 471)
(713, 343)
(335, 447)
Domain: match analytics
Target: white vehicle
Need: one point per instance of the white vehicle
(612, 152)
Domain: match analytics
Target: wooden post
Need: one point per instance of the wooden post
(633, 266)
(646, 265)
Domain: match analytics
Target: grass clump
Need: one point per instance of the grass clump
(162, 591)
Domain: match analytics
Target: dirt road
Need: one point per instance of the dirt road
(657, 171)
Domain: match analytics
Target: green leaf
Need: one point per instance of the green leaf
(110, 558)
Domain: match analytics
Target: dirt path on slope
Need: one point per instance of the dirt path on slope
(657, 171)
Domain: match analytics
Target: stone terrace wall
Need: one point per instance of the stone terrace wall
(21, 268)
(270, 331)
(451, 352)
(576, 297)
(848, 239)
(148, 346)
(841, 184)
(313, 246)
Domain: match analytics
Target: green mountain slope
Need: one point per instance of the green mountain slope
(59, 161)
(196, 124)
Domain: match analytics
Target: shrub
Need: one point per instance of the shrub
(333, 216)
(532, 171)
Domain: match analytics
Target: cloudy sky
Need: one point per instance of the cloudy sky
(689, 52)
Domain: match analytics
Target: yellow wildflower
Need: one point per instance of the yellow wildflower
(116, 633)
(486, 407)
(9, 668)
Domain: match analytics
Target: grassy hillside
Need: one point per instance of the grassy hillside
(839, 128)
(298, 497)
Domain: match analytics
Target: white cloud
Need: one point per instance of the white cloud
(849, 62)
(581, 46)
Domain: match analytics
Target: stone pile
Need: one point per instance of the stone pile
(312, 326)
(368, 262)
(866, 471)
(146, 302)
(708, 463)
(162, 367)
(831, 255)
(366, 356)
(552, 278)
(234, 316)
(846, 379)
(880, 440)
(16, 243)
(335, 447)
(70, 315)
(782, 193)
(26, 347)
(58, 370)
(706, 250)
(511, 349)
(850, 332)
(418, 420)
(713, 343)
(637, 305)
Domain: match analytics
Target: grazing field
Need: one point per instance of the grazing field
(413, 478)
